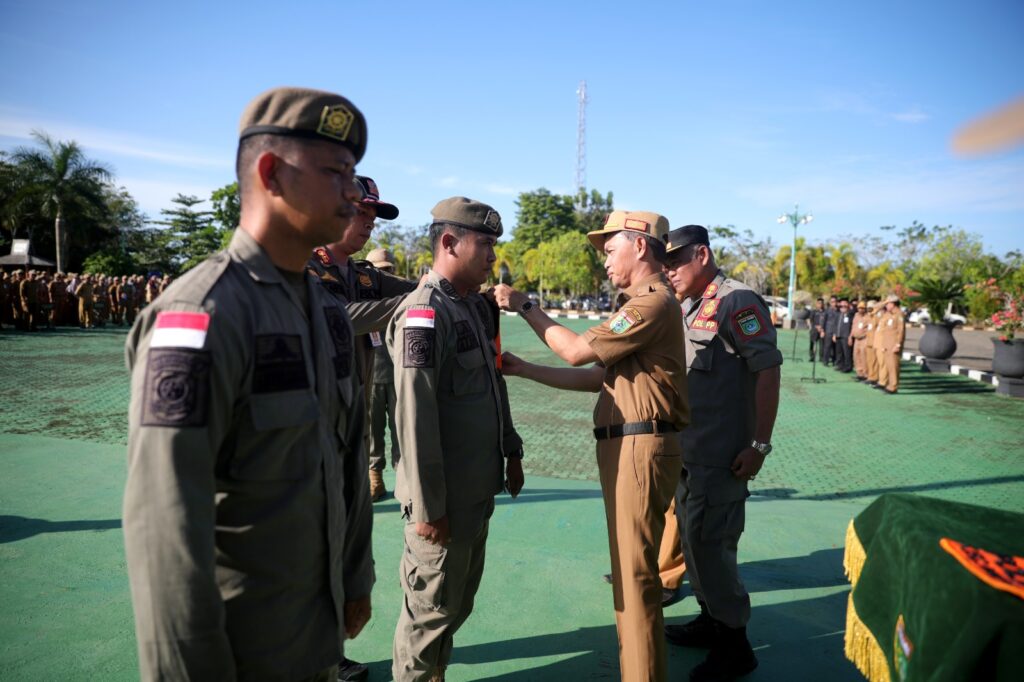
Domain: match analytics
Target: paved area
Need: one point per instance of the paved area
(543, 612)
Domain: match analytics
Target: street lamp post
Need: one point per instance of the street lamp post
(796, 219)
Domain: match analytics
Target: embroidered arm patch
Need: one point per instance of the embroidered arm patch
(465, 337)
(705, 319)
(626, 319)
(748, 323)
(418, 347)
(177, 388)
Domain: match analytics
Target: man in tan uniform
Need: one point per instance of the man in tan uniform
(640, 374)
(858, 337)
(889, 345)
(871, 355)
(454, 429)
(84, 293)
(247, 517)
(28, 292)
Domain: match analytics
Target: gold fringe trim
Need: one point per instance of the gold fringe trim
(853, 555)
(862, 648)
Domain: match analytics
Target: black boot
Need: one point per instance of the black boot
(349, 671)
(729, 658)
(700, 633)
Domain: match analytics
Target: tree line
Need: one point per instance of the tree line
(52, 191)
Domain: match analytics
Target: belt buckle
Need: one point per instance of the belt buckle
(657, 427)
(603, 432)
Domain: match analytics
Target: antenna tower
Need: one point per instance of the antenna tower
(581, 139)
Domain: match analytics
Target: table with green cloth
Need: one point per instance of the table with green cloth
(938, 591)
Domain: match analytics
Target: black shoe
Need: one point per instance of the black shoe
(880, 387)
(731, 657)
(668, 596)
(699, 633)
(890, 392)
(352, 671)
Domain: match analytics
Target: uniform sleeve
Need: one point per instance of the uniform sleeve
(372, 316)
(417, 349)
(182, 392)
(391, 286)
(901, 332)
(744, 322)
(357, 552)
(635, 326)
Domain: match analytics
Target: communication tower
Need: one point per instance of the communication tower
(581, 139)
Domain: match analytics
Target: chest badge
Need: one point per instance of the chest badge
(705, 320)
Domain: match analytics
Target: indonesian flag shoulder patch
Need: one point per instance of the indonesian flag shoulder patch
(180, 330)
(626, 319)
(419, 317)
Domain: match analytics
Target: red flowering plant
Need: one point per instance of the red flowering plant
(1009, 319)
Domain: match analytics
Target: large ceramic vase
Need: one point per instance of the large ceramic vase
(937, 345)
(1008, 358)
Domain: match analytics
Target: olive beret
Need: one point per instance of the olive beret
(645, 222)
(467, 213)
(311, 114)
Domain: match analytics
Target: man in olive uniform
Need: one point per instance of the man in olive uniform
(817, 334)
(889, 345)
(454, 430)
(370, 295)
(831, 317)
(246, 514)
(841, 337)
(733, 376)
(381, 406)
(641, 379)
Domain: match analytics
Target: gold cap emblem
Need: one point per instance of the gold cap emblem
(336, 121)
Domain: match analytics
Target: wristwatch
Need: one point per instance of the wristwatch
(527, 307)
(515, 454)
(763, 448)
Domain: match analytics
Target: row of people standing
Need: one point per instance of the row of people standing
(866, 337)
(38, 299)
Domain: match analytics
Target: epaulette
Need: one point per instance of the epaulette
(194, 286)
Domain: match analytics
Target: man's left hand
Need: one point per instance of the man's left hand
(514, 478)
(747, 464)
(357, 614)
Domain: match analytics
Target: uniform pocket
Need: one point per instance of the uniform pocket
(468, 378)
(282, 420)
(703, 354)
(724, 513)
(423, 570)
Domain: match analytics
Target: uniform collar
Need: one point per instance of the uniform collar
(443, 285)
(250, 254)
(646, 285)
(715, 287)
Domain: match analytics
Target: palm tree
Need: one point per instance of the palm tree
(60, 179)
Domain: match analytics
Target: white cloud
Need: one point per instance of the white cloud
(20, 126)
(448, 181)
(914, 115)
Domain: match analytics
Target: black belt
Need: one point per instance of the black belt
(633, 429)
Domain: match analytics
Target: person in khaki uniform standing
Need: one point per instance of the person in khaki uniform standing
(858, 337)
(874, 314)
(454, 430)
(889, 345)
(84, 293)
(247, 517)
(640, 376)
(733, 374)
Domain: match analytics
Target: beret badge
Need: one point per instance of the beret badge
(336, 121)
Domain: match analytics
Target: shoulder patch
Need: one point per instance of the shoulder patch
(180, 330)
(418, 346)
(748, 322)
(278, 364)
(422, 318)
(365, 281)
(177, 388)
(625, 320)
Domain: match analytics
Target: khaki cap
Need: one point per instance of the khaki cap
(892, 298)
(311, 114)
(468, 213)
(381, 259)
(644, 222)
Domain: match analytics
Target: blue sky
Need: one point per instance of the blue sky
(716, 113)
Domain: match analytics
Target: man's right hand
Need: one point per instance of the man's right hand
(435, 532)
(512, 365)
(508, 298)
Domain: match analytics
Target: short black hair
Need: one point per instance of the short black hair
(438, 229)
(251, 147)
(821, 300)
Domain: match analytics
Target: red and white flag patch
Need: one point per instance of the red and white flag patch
(180, 330)
(419, 317)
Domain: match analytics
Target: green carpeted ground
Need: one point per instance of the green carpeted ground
(543, 613)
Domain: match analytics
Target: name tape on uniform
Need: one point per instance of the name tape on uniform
(180, 330)
(422, 318)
